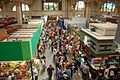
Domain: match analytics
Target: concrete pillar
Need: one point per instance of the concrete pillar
(19, 13)
(40, 5)
(69, 9)
(30, 13)
(87, 13)
(66, 8)
(73, 3)
(63, 5)
(85, 10)
(117, 9)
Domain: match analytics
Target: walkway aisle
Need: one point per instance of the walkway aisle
(49, 60)
(75, 77)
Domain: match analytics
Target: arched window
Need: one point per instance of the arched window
(14, 8)
(0, 9)
(108, 7)
(80, 6)
(24, 7)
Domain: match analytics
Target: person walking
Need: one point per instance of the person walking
(85, 73)
(59, 74)
(50, 72)
(68, 72)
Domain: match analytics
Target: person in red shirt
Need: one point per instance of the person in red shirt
(55, 34)
(75, 49)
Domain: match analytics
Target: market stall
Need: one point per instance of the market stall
(19, 70)
(18, 57)
(16, 69)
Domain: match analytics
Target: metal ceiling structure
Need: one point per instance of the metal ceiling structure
(27, 1)
(30, 2)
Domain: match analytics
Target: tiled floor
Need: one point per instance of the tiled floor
(49, 60)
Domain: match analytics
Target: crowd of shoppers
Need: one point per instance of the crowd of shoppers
(69, 61)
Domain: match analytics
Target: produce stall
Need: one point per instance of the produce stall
(20, 47)
(18, 69)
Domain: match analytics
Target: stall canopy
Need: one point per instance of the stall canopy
(20, 50)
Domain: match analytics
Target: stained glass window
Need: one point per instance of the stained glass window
(108, 7)
(51, 6)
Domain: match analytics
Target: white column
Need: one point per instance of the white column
(19, 13)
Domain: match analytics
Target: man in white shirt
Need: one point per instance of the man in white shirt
(35, 73)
